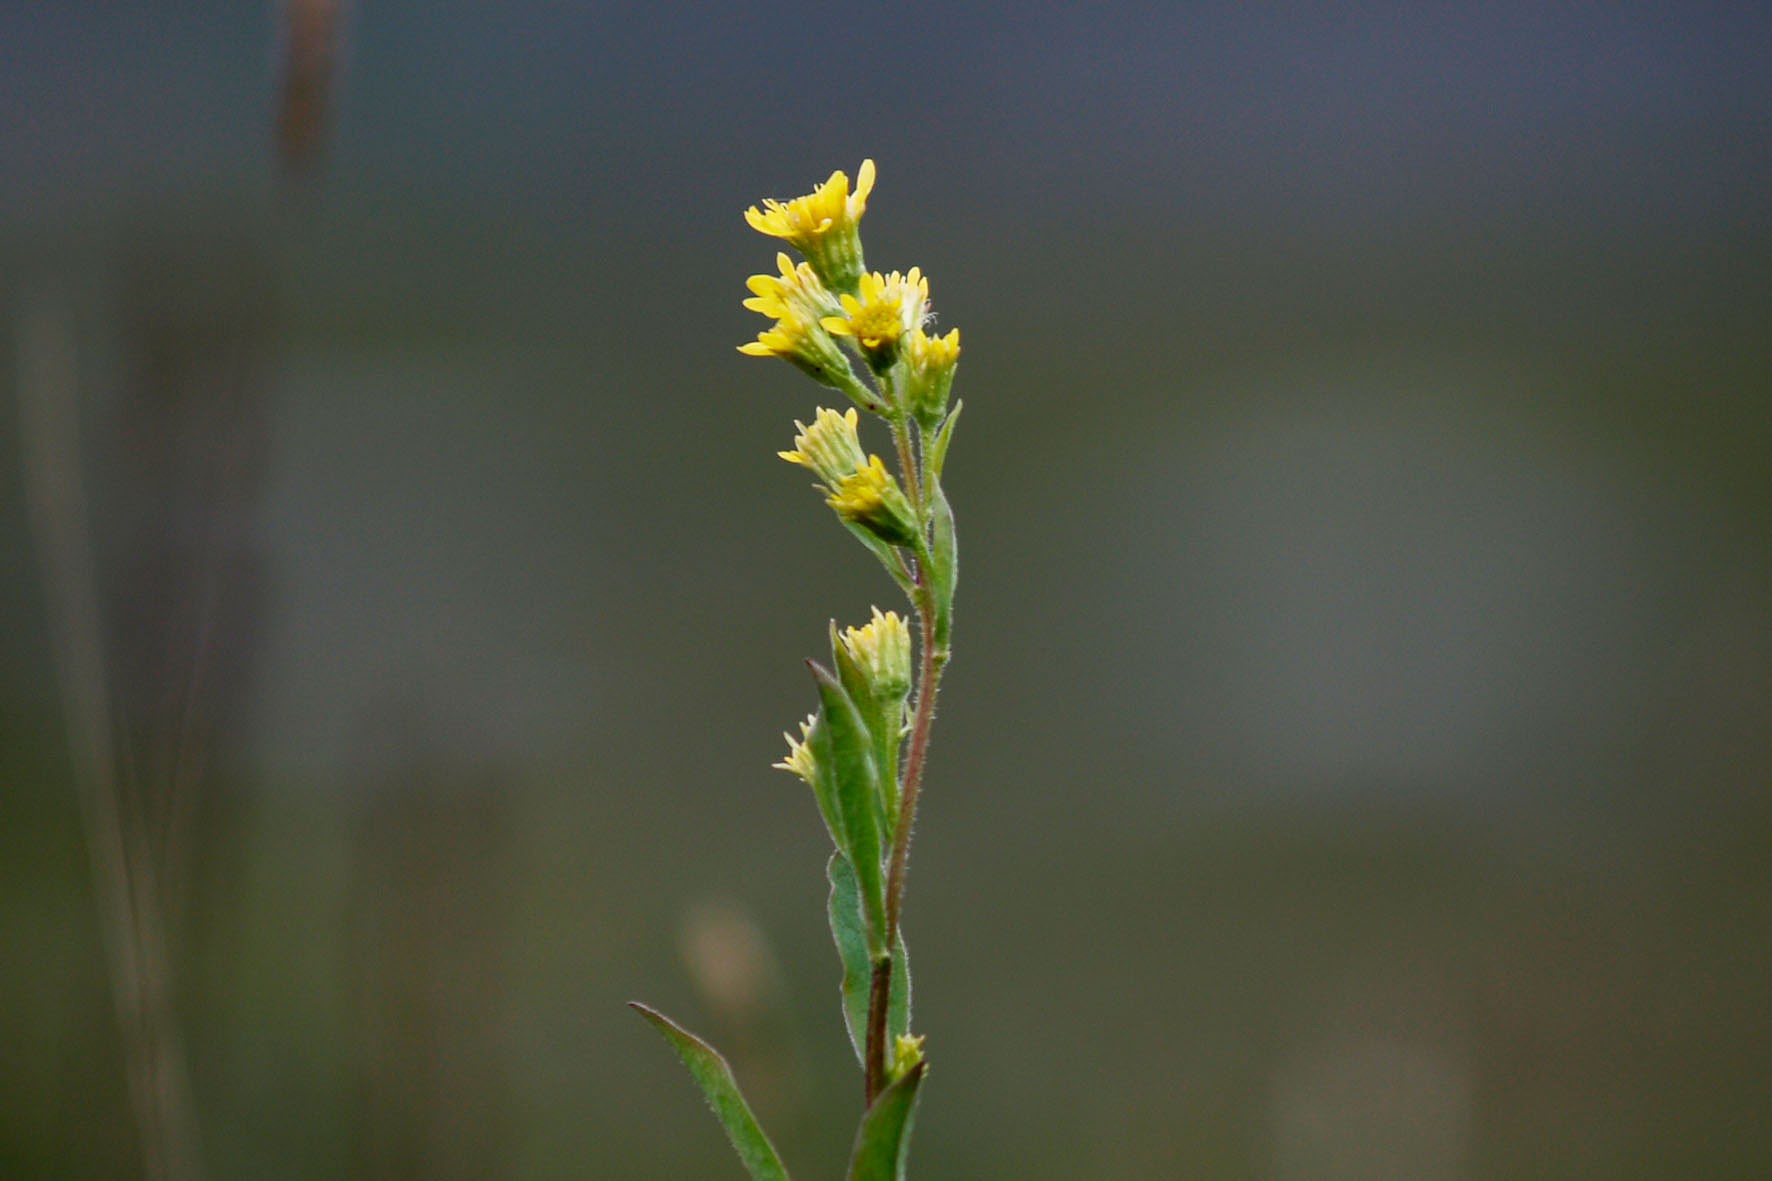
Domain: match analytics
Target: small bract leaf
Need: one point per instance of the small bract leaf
(938, 450)
(944, 564)
(852, 947)
(714, 1077)
(883, 1142)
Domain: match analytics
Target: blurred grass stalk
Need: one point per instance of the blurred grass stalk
(122, 864)
(304, 107)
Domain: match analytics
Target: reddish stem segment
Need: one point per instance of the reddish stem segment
(879, 991)
(928, 679)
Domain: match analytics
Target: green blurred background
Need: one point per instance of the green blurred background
(1355, 760)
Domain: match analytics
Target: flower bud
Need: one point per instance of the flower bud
(829, 446)
(907, 1051)
(881, 649)
(929, 374)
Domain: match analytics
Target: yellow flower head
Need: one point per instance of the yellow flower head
(881, 648)
(796, 288)
(885, 308)
(829, 208)
(934, 352)
(822, 225)
(799, 339)
(829, 446)
(930, 362)
(799, 759)
(871, 498)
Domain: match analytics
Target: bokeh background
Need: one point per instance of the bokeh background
(1355, 761)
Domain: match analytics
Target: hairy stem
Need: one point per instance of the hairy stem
(907, 466)
(880, 989)
(923, 717)
(879, 992)
(928, 681)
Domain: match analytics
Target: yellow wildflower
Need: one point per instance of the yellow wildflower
(829, 446)
(798, 338)
(930, 361)
(830, 207)
(822, 225)
(881, 648)
(799, 759)
(871, 498)
(885, 308)
(797, 287)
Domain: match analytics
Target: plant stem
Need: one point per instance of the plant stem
(928, 681)
(907, 465)
(879, 991)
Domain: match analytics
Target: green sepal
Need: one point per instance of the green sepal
(844, 756)
(714, 1077)
(883, 1142)
(944, 561)
(884, 722)
(938, 450)
(852, 948)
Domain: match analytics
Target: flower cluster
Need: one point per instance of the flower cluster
(829, 303)
(862, 753)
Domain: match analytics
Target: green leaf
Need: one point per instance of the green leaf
(852, 948)
(823, 790)
(938, 450)
(714, 1076)
(944, 563)
(844, 753)
(883, 1142)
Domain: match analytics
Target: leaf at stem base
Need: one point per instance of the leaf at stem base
(714, 1077)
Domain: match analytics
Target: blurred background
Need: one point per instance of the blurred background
(1355, 760)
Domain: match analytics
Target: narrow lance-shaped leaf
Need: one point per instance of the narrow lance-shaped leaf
(844, 752)
(852, 947)
(938, 450)
(714, 1076)
(944, 564)
(883, 1142)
